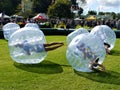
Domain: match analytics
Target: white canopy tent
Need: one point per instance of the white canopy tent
(16, 16)
(41, 16)
(4, 16)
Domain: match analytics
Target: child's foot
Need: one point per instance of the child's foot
(61, 43)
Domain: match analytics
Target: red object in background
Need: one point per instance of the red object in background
(40, 17)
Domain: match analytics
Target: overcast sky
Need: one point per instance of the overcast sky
(101, 5)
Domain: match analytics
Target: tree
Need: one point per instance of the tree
(92, 13)
(41, 6)
(118, 15)
(73, 2)
(60, 9)
(9, 6)
(113, 15)
(80, 11)
(101, 13)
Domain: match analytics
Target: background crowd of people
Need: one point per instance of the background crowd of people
(67, 23)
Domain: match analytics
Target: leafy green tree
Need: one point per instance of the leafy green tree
(101, 13)
(73, 2)
(9, 6)
(41, 6)
(80, 11)
(60, 9)
(118, 15)
(113, 15)
(92, 12)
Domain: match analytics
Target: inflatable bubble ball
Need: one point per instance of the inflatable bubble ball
(75, 33)
(26, 46)
(32, 25)
(84, 48)
(106, 34)
(9, 29)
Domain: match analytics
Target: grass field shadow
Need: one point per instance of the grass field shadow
(45, 67)
(109, 77)
(115, 52)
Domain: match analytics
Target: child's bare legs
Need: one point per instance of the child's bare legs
(53, 46)
(53, 43)
(107, 46)
(94, 64)
(107, 50)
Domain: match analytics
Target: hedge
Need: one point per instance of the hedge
(51, 31)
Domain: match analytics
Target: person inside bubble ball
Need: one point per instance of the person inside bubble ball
(107, 46)
(28, 47)
(95, 66)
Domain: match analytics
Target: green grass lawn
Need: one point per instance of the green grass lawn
(55, 73)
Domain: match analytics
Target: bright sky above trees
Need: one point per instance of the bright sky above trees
(101, 5)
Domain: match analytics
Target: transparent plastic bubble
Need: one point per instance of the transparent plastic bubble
(26, 46)
(75, 33)
(32, 25)
(9, 29)
(106, 34)
(84, 48)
